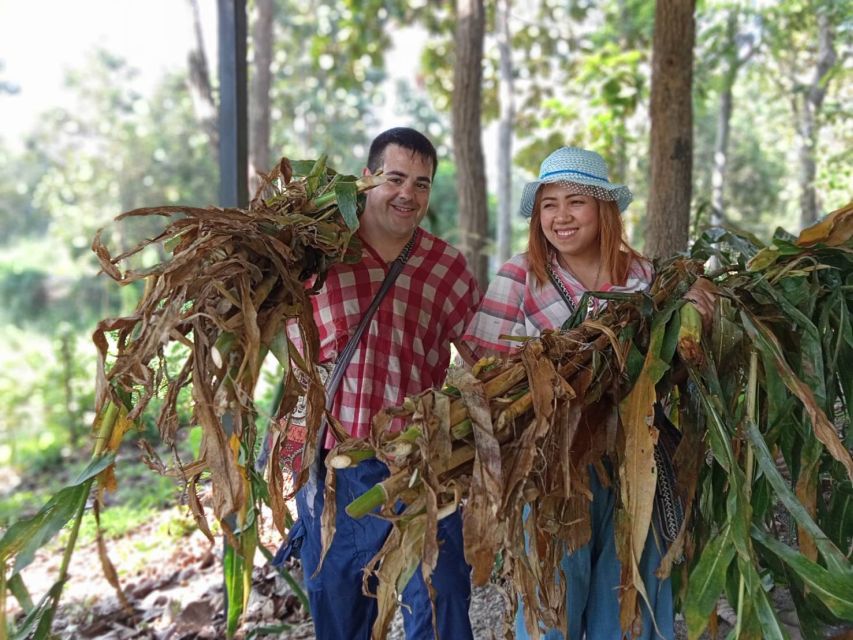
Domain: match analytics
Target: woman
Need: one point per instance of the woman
(576, 244)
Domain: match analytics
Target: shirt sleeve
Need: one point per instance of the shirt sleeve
(501, 312)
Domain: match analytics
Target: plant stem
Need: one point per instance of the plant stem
(3, 634)
(110, 415)
(751, 402)
(69, 549)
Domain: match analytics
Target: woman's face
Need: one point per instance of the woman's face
(570, 222)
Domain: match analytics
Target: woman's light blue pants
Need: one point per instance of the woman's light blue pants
(592, 582)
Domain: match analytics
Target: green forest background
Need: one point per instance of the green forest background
(581, 76)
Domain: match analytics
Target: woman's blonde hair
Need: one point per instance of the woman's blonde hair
(616, 253)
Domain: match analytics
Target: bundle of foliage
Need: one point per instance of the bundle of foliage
(752, 397)
(230, 281)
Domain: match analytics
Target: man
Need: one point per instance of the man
(404, 350)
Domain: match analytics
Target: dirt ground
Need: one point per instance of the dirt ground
(176, 593)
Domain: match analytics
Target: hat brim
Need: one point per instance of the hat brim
(619, 193)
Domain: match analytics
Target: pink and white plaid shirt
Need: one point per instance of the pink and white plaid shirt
(516, 305)
(406, 347)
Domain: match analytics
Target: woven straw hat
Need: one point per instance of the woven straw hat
(575, 166)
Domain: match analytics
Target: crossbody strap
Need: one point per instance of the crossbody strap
(561, 289)
(346, 355)
(344, 358)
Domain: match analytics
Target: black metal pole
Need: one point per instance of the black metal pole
(233, 143)
(233, 109)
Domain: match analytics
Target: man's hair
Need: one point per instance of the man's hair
(404, 137)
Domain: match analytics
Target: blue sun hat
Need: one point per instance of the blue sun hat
(576, 167)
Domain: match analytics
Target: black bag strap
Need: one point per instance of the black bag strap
(561, 289)
(343, 361)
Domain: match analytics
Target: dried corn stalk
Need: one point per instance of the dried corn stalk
(234, 279)
(524, 430)
(229, 282)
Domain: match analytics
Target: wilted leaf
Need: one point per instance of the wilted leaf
(834, 230)
(107, 566)
(480, 527)
(637, 470)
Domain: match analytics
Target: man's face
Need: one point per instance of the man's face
(394, 209)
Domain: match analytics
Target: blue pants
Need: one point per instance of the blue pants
(592, 582)
(338, 607)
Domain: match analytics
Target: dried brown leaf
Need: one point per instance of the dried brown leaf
(481, 529)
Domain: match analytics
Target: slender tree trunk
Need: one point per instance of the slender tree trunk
(467, 133)
(808, 115)
(671, 146)
(505, 124)
(66, 358)
(201, 89)
(259, 92)
(724, 117)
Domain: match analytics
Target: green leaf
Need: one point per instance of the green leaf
(25, 537)
(346, 194)
(835, 560)
(838, 517)
(670, 338)
(237, 567)
(833, 587)
(738, 508)
(741, 244)
(718, 433)
(36, 625)
(707, 581)
(95, 467)
(763, 259)
(302, 168)
(634, 362)
(764, 340)
(760, 606)
(810, 348)
(279, 345)
(19, 590)
(315, 177)
(269, 630)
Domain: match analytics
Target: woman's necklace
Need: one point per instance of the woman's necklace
(596, 283)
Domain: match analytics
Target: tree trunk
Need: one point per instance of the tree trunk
(467, 144)
(808, 126)
(201, 89)
(671, 111)
(505, 124)
(259, 92)
(724, 117)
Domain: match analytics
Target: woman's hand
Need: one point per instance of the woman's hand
(703, 293)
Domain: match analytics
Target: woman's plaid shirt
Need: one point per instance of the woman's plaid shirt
(406, 347)
(516, 305)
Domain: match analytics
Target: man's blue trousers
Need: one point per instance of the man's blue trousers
(338, 607)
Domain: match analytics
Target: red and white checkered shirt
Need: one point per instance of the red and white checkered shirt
(516, 305)
(406, 347)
